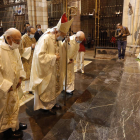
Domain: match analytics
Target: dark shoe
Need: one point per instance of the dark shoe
(30, 92)
(52, 112)
(7, 134)
(70, 93)
(17, 134)
(22, 126)
(57, 106)
(44, 110)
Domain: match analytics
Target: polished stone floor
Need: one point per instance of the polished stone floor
(105, 106)
(40, 123)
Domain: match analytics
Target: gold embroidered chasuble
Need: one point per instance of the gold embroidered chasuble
(25, 47)
(11, 70)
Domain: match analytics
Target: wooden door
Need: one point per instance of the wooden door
(19, 22)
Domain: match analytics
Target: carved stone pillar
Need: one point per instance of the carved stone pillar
(131, 20)
(30, 11)
(38, 13)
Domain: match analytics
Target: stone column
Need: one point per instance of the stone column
(135, 24)
(45, 15)
(131, 21)
(76, 25)
(38, 13)
(29, 5)
(33, 13)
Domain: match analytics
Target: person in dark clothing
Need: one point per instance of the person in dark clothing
(38, 33)
(121, 34)
(27, 24)
(89, 39)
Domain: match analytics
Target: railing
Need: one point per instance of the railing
(107, 39)
(105, 42)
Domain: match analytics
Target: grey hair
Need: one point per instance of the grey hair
(29, 28)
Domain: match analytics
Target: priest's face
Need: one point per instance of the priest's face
(119, 27)
(16, 38)
(60, 35)
(78, 39)
(32, 32)
(80, 36)
(27, 25)
(39, 28)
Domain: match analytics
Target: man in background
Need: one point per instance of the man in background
(121, 34)
(26, 51)
(27, 24)
(89, 39)
(38, 33)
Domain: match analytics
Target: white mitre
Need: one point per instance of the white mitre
(63, 24)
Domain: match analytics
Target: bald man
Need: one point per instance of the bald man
(26, 50)
(75, 41)
(11, 76)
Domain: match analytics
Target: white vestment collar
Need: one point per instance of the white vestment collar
(4, 45)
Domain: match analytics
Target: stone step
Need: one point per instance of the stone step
(106, 53)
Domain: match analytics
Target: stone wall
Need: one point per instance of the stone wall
(132, 21)
(37, 13)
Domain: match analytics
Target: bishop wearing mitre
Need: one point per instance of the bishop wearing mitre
(48, 67)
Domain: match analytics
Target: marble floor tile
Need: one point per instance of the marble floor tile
(109, 108)
(88, 131)
(105, 106)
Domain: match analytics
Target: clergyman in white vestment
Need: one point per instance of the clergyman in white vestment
(48, 67)
(11, 75)
(75, 41)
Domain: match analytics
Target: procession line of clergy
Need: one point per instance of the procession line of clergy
(45, 69)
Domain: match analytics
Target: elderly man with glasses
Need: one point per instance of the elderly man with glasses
(11, 76)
